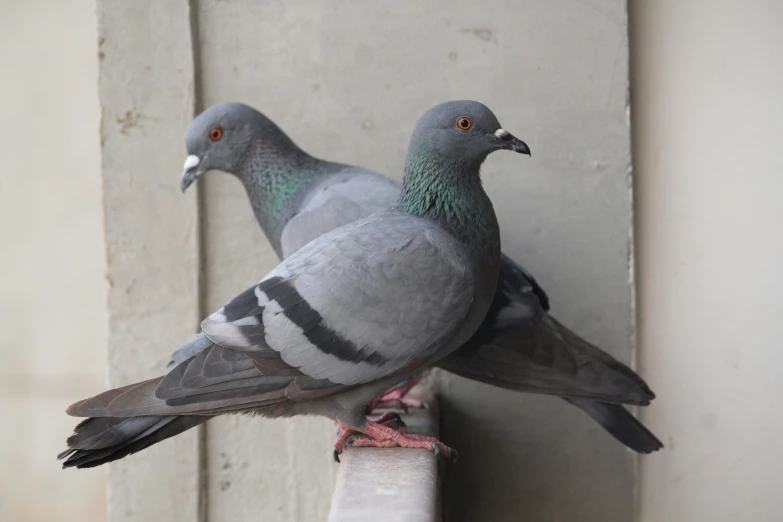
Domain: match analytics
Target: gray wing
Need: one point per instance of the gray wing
(519, 346)
(336, 312)
(545, 357)
(340, 199)
(215, 380)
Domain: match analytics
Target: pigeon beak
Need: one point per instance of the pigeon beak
(189, 172)
(509, 142)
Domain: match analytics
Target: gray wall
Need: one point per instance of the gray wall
(348, 80)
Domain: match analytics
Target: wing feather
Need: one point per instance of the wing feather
(336, 313)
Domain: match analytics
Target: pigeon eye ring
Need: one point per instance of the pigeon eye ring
(464, 123)
(215, 134)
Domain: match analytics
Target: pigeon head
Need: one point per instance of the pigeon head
(441, 180)
(221, 138)
(464, 131)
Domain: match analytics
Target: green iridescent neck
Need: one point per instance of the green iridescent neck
(451, 194)
(273, 180)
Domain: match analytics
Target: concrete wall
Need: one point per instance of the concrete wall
(708, 121)
(52, 270)
(348, 82)
(707, 115)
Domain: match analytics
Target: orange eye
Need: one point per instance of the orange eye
(464, 123)
(215, 134)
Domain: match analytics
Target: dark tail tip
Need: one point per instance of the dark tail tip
(99, 440)
(619, 422)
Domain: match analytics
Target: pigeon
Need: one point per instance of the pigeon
(519, 346)
(349, 315)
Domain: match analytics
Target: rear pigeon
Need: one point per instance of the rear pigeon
(349, 315)
(296, 198)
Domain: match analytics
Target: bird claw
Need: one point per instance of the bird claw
(454, 456)
(346, 436)
(382, 435)
(340, 447)
(388, 431)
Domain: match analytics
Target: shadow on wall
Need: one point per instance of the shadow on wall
(545, 456)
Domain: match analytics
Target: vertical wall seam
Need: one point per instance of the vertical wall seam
(632, 282)
(203, 479)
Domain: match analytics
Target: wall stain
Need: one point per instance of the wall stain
(131, 120)
(482, 33)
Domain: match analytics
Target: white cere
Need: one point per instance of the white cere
(193, 161)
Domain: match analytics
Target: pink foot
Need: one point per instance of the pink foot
(344, 433)
(395, 398)
(383, 436)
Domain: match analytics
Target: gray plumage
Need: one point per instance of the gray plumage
(296, 198)
(349, 315)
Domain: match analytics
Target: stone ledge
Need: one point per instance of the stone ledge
(391, 484)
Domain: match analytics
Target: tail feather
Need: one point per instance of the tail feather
(99, 440)
(103, 432)
(612, 363)
(620, 424)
